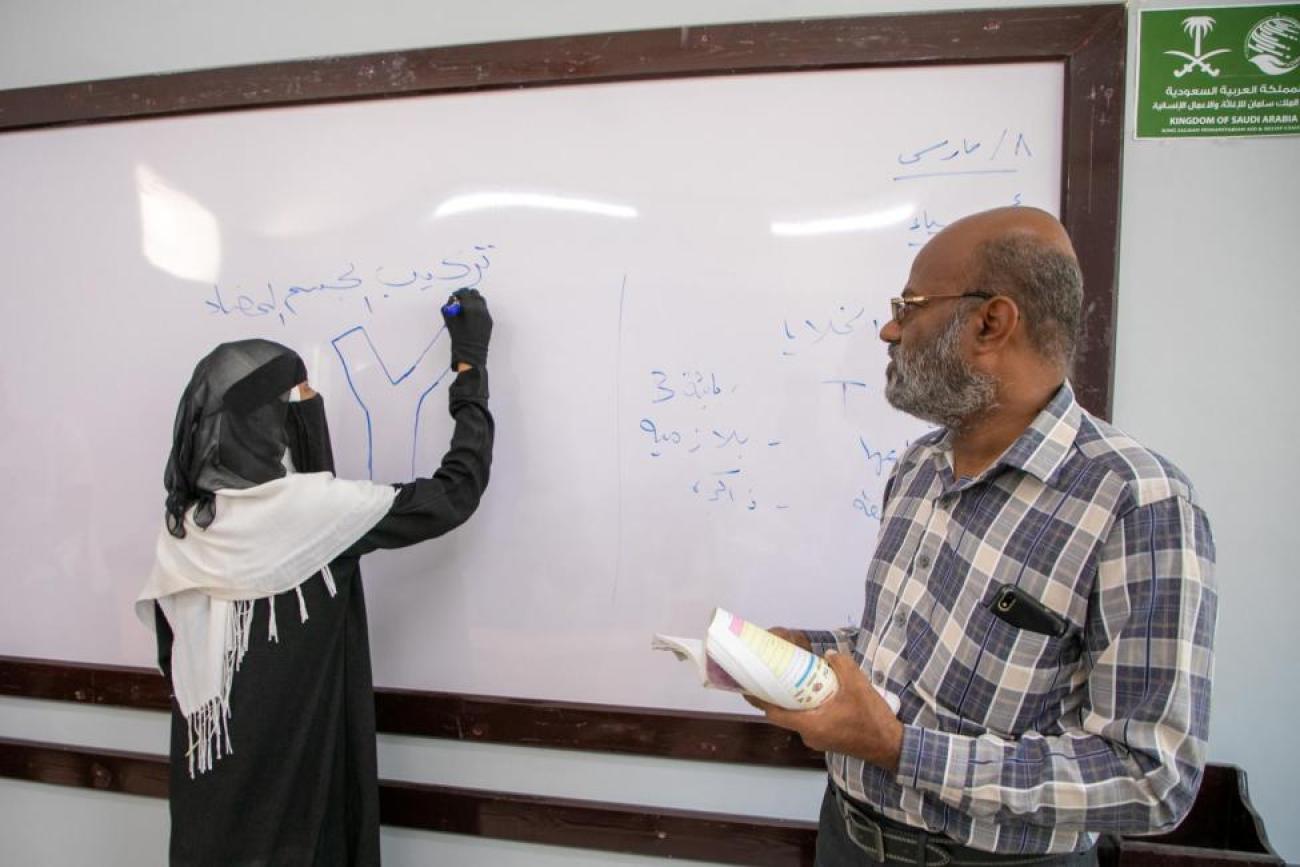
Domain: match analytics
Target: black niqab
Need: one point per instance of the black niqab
(309, 436)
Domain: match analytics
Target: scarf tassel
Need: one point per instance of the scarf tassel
(209, 726)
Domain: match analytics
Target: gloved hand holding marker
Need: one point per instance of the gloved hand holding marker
(469, 325)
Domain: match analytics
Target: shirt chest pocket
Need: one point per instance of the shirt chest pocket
(1029, 652)
(1009, 657)
(1017, 627)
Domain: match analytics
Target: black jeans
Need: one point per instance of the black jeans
(849, 835)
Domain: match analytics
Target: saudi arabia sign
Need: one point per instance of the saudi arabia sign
(1219, 71)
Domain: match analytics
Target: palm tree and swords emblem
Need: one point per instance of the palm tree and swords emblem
(1197, 27)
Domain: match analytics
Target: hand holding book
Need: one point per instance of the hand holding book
(737, 655)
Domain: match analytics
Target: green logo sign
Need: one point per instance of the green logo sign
(1225, 71)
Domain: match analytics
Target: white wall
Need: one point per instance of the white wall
(1206, 359)
(1208, 304)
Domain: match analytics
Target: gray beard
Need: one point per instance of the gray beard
(935, 384)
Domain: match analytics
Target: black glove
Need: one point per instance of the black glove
(470, 329)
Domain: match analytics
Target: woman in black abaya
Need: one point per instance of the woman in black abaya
(257, 601)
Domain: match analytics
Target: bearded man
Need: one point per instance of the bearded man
(256, 598)
(1041, 598)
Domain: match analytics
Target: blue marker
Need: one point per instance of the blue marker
(451, 308)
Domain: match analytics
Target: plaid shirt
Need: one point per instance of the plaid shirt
(1016, 741)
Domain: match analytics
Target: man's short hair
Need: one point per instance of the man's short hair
(1045, 283)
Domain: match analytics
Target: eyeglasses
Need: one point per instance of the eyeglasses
(899, 306)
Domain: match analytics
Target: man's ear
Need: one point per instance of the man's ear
(998, 319)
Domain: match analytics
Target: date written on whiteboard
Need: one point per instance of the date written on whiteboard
(1000, 153)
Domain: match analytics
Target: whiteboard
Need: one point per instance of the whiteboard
(687, 278)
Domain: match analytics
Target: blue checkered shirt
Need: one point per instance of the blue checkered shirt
(1016, 741)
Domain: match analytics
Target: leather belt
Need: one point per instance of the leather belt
(887, 841)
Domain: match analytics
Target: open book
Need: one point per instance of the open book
(736, 655)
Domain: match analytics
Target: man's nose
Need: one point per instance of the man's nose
(890, 332)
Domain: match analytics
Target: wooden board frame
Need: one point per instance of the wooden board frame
(1090, 41)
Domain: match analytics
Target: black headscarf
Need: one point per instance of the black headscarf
(234, 424)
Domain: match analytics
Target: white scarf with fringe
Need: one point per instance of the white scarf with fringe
(263, 541)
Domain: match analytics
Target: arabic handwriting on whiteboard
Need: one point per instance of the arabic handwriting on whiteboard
(844, 320)
(867, 506)
(877, 459)
(706, 453)
(924, 227)
(845, 385)
(286, 300)
(688, 384)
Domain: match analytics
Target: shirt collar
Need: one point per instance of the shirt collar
(1042, 448)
